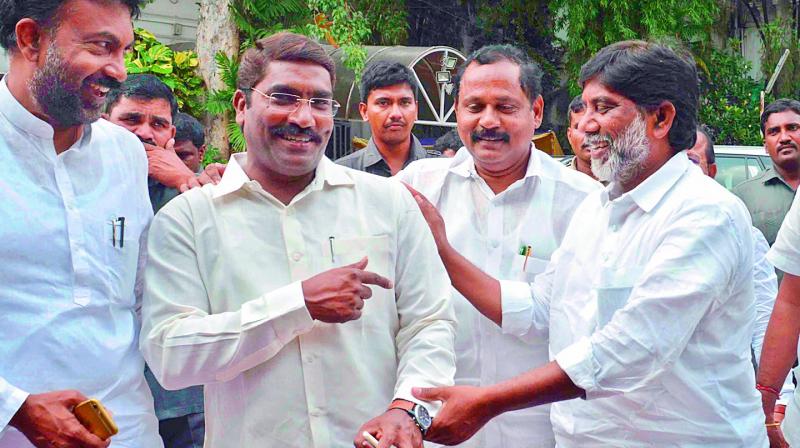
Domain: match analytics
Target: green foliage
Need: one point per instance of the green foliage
(592, 24)
(177, 69)
(336, 22)
(780, 35)
(256, 19)
(220, 102)
(212, 155)
(729, 102)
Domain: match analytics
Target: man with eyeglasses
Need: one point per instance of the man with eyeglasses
(389, 105)
(292, 289)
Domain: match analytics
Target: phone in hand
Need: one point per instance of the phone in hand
(94, 416)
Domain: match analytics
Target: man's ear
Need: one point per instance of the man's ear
(30, 39)
(362, 109)
(174, 129)
(664, 116)
(538, 111)
(240, 105)
(712, 170)
(201, 151)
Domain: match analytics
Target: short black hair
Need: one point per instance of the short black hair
(449, 140)
(530, 74)
(187, 128)
(384, 74)
(710, 157)
(44, 12)
(576, 106)
(142, 87)
(778, 106)
(649, 74)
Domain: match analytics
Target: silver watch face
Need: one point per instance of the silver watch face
(423, 418)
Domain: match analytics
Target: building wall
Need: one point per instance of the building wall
(172, 21)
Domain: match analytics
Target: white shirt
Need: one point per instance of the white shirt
(489, 230)
(224, 307)
(650, 310)
(785, 255)
(67, 305)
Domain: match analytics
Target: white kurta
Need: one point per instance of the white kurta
(67, 304)
(649, 307)
(489, 230)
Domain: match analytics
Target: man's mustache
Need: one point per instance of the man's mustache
(788, 145)
(104, 81)
(490, 134)
(293, 129)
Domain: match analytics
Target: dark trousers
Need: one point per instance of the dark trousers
(183, 432)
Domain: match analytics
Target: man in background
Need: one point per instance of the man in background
(389, 104)
(190, 141)
(769, 195)
(448, 144)
(146, 106)
(582, 161)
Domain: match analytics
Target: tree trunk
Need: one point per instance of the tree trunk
(215, 32)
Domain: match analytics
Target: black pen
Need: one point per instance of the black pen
(121, 220)
(330, 242)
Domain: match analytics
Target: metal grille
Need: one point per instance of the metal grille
(340, 143)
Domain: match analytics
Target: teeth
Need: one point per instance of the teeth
(298, 139)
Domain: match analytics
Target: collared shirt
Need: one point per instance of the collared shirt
(370, 159)
(489, 230)
(649, 307)
(785, 255)
(67, 305)
(768, 198)
(224, 306)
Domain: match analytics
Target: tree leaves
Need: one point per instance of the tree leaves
(178, 70)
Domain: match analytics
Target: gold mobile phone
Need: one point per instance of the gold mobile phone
(94, 416)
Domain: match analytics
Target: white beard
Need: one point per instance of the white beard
(626, 153)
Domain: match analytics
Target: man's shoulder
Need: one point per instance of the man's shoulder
(120, 139)
(753, 184)
(565, 175)
(425, 171)
(352, 160)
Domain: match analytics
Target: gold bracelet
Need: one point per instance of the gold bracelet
(772, 425)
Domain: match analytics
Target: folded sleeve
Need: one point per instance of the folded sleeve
(11, 399)
(692, 270)
(426, 338)
(183, 342)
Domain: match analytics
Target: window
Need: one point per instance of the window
(733, 170)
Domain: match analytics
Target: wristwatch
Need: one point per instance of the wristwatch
(417, 412)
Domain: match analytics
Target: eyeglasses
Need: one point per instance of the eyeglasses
(287, 102)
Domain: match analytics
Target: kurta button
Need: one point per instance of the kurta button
(297, 256)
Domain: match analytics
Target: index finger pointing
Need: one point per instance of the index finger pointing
(371, 278)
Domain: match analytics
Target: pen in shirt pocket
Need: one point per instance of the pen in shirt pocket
(118, 237)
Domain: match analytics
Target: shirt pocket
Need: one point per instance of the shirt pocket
(377, 249)
(526, 270)
(613, 289)
(121, 243)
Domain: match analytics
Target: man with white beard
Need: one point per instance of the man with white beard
(648, 302)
